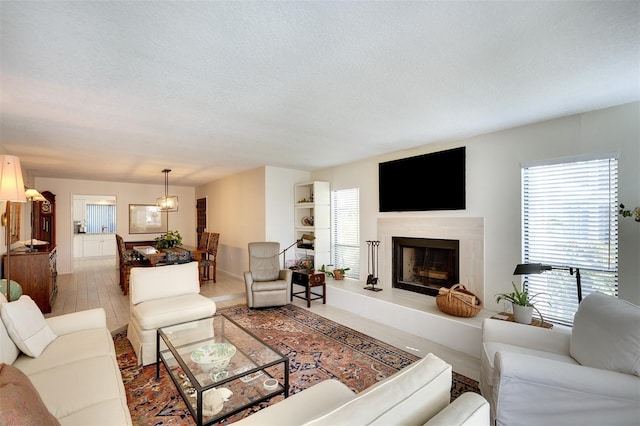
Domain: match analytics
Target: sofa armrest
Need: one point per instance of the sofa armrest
(586, 395)
(554, 340)
(286, 274)
(78, 321)
(466, 410)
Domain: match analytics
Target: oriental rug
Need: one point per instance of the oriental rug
(318, 349)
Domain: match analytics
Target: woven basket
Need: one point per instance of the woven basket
(458, 301)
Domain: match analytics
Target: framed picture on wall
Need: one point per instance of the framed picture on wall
(146, 219)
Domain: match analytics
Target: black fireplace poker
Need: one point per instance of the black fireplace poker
(372, 266)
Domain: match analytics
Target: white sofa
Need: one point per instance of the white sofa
(160, 296)
(416, 395)
(583, 376)
(76, 376)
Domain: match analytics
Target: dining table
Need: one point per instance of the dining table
(157, 256)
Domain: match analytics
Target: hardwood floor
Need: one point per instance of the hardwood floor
(94, 283)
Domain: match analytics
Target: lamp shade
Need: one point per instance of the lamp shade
(168, 203)
(32, 194)
(11, 182)
(530, 268)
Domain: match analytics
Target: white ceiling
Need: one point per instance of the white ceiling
(119, 91)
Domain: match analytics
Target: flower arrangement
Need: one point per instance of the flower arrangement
(627, 213)
(170, 239)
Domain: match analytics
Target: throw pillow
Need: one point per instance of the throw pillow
(26, 326)
(606, 334)
(20, 403)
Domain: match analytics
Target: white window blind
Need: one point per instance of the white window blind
(570, 219)
(345, 230)
(101, 218)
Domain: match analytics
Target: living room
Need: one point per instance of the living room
(312, 92)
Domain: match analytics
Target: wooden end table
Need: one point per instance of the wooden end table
(308, 280)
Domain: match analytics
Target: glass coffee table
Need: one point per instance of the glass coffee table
(255, 371)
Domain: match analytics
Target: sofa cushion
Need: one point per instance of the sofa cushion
(606, 334)
(153, 314)
(26, 326)
(8, 349)
(69, 348)
(263, 261)
(20, 403)
(411, 396)
(80, 386)
(163, 282)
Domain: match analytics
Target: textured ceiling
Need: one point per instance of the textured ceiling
(120, 90)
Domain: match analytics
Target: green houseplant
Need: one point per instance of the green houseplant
(170, 239)
(523, 304)
(337, 273)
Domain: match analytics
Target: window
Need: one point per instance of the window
(570, 219)
(345, 230)
(101, 218)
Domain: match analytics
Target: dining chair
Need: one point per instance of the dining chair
(126, 263)
(202, 245)
(212, 249)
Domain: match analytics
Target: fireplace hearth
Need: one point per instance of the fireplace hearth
(424, 265)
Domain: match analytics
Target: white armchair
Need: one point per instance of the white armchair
(583, 376)
(267, 284)
(161, 296)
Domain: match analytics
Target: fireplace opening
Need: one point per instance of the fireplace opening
(424, 265)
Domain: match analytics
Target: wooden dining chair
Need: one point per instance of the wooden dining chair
(212, 250)
(208, 263)
(203, 263)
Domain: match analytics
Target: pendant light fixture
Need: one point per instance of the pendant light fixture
(167, 203)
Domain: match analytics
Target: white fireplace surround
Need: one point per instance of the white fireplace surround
(468, 230)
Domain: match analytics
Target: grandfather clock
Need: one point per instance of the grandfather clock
(44, 227)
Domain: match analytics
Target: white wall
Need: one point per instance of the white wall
(183, 220)
(236, 210)
(256, 205)
(493, 186)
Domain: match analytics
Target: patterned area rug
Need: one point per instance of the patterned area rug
(318, 349)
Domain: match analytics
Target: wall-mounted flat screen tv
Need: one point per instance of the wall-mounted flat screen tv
(434, 181)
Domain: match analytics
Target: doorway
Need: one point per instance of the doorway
(201, 217)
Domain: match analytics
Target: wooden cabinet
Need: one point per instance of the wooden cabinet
(44, 226)
(312, 217)
(95, 245)
(37, 273)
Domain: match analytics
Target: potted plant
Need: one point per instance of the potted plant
(168, 240)
(523, 304)
(338, 273)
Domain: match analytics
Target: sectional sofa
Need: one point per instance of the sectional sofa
(73, 380)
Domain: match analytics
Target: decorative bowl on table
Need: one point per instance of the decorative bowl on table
(213, 356)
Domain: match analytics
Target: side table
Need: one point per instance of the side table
(506, 316)
(308, 279)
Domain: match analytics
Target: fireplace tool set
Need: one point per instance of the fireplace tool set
(372, 266)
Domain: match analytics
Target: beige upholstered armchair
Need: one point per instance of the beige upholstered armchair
(266, 283)
(161, 296)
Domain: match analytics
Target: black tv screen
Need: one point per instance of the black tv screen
(434, 181)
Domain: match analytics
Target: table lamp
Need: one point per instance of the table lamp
(538, 268)
(11, 190)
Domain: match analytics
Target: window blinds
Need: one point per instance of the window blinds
(101, 218)
(345, 230)
(570, 219)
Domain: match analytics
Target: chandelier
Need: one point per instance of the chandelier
(167, 203)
